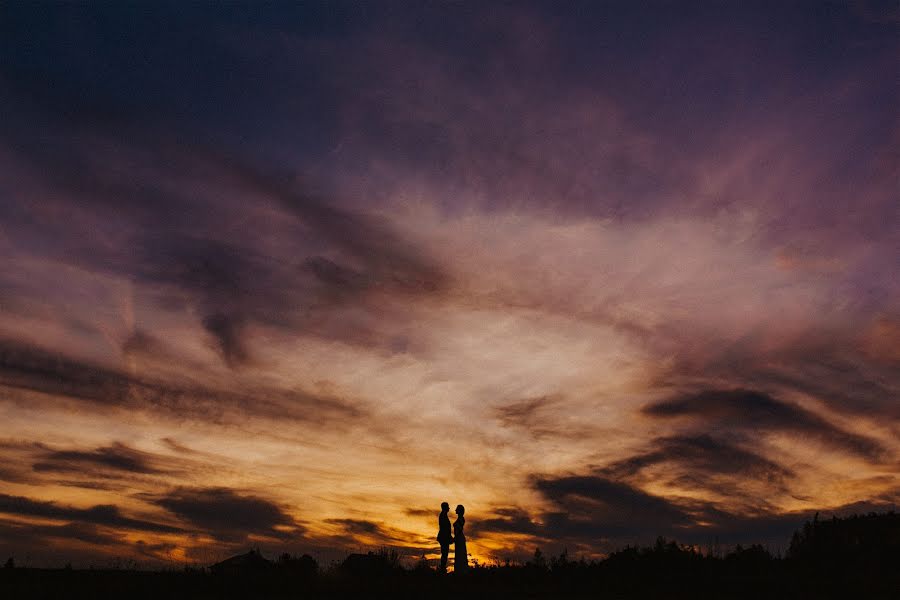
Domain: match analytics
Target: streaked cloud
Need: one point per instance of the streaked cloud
(749, 410)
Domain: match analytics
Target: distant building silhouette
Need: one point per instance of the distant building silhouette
(243, 563)
(371, 563)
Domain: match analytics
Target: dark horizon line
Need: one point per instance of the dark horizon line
(713, 550)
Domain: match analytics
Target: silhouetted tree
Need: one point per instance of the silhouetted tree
(853, 557)
(302, 565)
(422, 564)
(538, 561)
(871, 537)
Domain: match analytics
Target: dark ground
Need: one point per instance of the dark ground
(858, 557)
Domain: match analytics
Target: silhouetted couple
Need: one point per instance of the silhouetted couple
(460, 556)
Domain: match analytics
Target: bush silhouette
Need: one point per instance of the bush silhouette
(853, 557)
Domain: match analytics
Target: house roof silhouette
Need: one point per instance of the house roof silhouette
(250, 561)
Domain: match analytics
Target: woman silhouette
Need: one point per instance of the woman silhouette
(460, 556)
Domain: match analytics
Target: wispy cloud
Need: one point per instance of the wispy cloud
(117, 457)
(102, 514)
(749, 410)
(34, 369)
(229, 515)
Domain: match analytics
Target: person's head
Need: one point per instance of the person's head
(444, 507)
(460, 509)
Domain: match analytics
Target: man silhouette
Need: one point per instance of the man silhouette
(444, 537)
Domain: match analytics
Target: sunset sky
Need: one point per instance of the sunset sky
(289, 275)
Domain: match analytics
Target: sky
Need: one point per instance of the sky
(290, 275)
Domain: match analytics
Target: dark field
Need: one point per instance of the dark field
(844, 558)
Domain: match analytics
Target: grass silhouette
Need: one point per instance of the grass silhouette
(854, 557)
